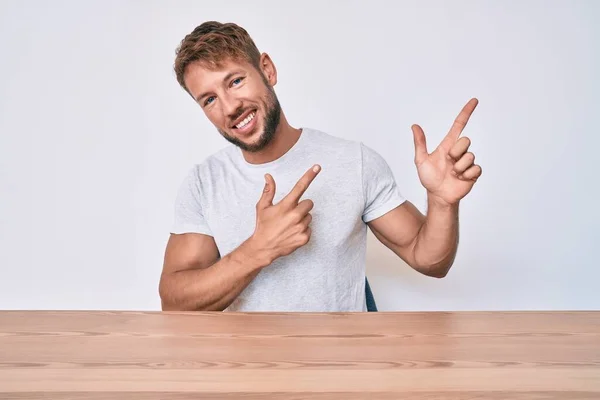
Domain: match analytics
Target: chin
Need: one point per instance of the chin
(258, 136)
(252, 142)
(249, 137)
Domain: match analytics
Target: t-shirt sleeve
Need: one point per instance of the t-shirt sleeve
(189, 216)
(381, 193)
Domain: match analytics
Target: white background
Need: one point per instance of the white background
(96, 136)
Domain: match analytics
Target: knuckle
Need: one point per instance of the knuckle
(306, 204)
(297, 216)
(460, 122)
(305, 238)
(301, 186)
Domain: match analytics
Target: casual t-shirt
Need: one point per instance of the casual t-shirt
(355, 185)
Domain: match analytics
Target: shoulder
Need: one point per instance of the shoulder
(200, 177)
(214, 163)
(328, 138)
(342, 146)
(333, 144)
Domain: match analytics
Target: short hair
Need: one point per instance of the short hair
(213, 42)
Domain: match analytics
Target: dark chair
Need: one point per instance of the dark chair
(371, 305)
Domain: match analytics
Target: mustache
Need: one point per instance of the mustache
(238, 113)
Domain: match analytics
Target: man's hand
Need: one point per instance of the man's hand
(448, 173)
(284, 227)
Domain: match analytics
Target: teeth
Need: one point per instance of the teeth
(245, 121)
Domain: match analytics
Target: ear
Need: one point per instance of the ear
(268, 69)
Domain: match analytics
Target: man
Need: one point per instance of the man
(278, 220)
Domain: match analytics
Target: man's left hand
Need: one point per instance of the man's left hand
(450, 172)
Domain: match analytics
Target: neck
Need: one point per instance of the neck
(284, 139)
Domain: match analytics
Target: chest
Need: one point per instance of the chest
(230, 208)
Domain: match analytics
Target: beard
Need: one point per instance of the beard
(270, 124)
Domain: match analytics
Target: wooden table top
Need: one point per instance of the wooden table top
(427, 355)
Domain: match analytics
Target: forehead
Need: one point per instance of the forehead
(200, 77)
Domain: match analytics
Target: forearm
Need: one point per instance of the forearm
(437, 240)
(213, 288)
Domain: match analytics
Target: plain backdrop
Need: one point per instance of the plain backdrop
(96, 136)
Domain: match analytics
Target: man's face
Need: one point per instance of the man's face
(239, 101)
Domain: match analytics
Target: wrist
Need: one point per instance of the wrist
(438, 203)
(251, 253)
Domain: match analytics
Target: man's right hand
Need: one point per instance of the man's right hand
(196, 277)
(283, 227)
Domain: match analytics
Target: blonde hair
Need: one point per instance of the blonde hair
(212, 43)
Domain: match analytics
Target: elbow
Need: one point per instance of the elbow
(432, 268)
(438, 271)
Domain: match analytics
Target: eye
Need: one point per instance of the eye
(236, 81)
(209, 100)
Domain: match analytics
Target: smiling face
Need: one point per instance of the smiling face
(238, 99)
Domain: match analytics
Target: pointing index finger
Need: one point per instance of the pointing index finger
(459, 123)
(303, 184)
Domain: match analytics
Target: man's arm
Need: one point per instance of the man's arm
(429, 243)
(426, 243)
(195, 279)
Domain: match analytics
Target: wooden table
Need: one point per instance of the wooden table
(152, 355)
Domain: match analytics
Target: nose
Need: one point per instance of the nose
(232, 107)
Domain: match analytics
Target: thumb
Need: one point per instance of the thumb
(268, 193)
(420, 144)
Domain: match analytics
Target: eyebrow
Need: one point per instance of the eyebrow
(226, 78)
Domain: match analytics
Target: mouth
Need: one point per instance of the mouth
(245, 123)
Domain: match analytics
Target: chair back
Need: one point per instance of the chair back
(371, 305)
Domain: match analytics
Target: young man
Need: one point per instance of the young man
(278, 220)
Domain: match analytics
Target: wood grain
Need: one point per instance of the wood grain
(433, 355)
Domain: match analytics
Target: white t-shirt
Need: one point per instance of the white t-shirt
(218, 198)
